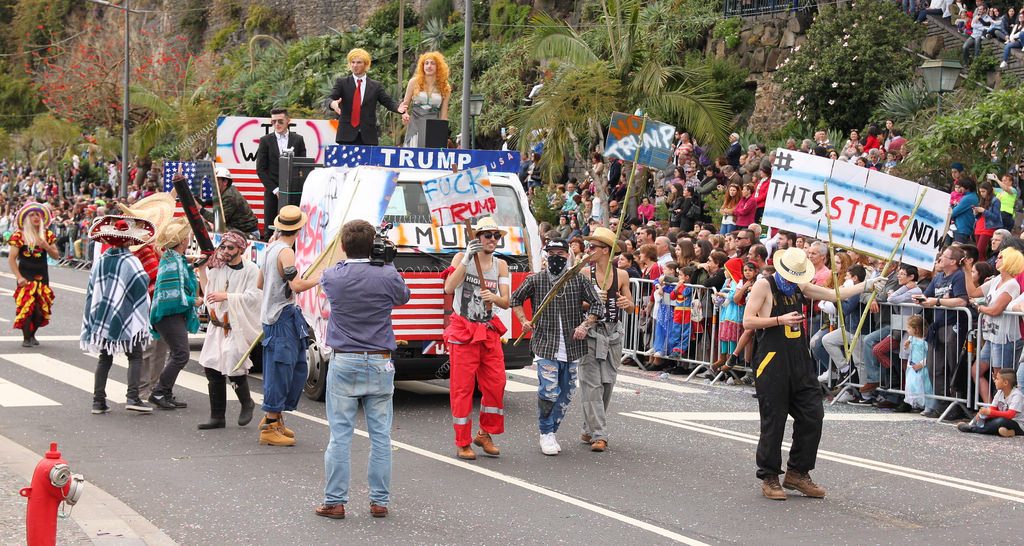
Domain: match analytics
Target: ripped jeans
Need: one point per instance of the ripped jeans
(557, 381)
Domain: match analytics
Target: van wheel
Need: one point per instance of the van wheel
(316, 377)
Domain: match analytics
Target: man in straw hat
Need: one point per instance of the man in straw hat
(159, 210)
(786, 374)
(174, 315)
(116, 317)
(597, 368)
(284, 329)
(473, 338)
(232, 285)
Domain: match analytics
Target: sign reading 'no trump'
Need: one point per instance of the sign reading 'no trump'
(624, 137)
(456, 197)
(869, 209)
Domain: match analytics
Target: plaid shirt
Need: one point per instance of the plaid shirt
(566, 307)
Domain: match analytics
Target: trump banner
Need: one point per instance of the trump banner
(459, 196)
(870, 210)
(624, 137)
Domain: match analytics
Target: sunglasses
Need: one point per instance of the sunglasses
(279, 121)
(490, 235)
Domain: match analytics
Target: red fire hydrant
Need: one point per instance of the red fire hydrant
(52, 484)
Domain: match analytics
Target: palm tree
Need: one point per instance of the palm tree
(629, 60)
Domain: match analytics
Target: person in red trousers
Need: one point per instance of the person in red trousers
(473, 339)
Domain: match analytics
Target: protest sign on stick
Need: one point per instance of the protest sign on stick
(641, 140)
(460, 196)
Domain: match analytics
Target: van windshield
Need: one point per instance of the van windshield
(409, 205)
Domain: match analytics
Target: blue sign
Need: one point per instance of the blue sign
(421, 158)
(624, 138)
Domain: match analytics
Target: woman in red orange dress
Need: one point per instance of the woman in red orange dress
(29, 247)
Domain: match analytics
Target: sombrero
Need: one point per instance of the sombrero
(290, 218)
(606, 237)
(793, 264)
(29, 208)
(176, 231)
(157, 208)
(488, 224)
(119, 230)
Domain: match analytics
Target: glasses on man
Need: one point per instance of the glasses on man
(279, 121)
(490, 235)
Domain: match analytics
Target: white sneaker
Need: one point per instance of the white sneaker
(1002, 65)
(844, 397)
(823, 378)
(548, 446)
(554, 440)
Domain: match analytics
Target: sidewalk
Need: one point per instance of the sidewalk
(98, 518)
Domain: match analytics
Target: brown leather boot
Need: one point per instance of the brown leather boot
(717, 364)
(599, 445)
(285, 431)
(801, 481)
(771, 489)
(271, 435)
(466, 453)
(586, 439)
(483, 440)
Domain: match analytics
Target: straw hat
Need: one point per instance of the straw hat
(174, 233)
(29, 208)
(606, 237)
(488, 224)
(290, 218)
(119, 230)
(793, 264)
(157, 208)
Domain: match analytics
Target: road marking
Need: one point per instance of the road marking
(684, 416)
(16, 396)
(67, 287)
(531, 373)
(3, 319)
(41, 338)
(67, 374)
(878, 466)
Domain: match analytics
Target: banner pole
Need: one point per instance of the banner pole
(625, 200)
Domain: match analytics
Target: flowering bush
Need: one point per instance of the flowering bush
(850, 57)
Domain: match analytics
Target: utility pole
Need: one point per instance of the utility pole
(401, 48)
(467, 72)
(125, 105)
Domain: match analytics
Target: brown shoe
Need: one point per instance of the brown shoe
(378, 511)
(271, 435)
(599, 445)
(771, 489)
(801, 481)
(284, 430)
(717, 364)
(586, 439)
(467, 453)
(868, 387)
(333, 511)
(483, 440)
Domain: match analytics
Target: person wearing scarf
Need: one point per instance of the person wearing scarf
(232, 285)
(174, 314)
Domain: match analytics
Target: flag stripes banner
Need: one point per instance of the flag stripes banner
(199, 175)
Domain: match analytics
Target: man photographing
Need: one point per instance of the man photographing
(362, 296)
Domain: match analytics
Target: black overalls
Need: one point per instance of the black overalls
(786, 385)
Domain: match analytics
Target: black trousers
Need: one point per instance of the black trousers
(269, 210)
(173, 331)
(787, 386)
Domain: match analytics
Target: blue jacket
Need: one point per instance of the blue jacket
(963, 213)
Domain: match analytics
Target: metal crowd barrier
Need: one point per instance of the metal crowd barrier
(976, 376)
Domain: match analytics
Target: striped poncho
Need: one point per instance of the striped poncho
(175, 292)
(116, 314)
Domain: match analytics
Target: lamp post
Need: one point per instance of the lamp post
(476, 105)
(940, 77)
(467, 67)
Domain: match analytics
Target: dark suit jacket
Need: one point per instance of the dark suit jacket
(267, 156)
(344, 89)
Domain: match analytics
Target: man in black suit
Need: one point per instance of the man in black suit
(267, 161)
(360, 128)
(735, 150)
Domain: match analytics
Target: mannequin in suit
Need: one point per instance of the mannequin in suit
(360, 129)
(267, 163)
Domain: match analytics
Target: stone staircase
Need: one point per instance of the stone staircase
(944, 37)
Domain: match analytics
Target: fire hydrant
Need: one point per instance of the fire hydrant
(52, 484)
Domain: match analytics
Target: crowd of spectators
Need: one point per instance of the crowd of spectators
(978, 20)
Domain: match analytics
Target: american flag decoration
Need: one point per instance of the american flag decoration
(347, 156)
(198, 173)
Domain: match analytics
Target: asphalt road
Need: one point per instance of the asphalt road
(680, 465)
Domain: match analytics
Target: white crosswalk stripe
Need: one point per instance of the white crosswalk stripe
(13, 395)
(67, 374)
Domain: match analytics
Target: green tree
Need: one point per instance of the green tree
(19, 100)
(49, 140)
(851, 55)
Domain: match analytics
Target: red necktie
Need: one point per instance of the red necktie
(357, 103)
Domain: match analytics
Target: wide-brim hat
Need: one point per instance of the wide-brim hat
(29, 208)
(487, 223)
(174, 233)
(606, 237)
(157, 208)
(223, 172)
(794, 266)
(290, 218)
(734, 269)
(118, 230)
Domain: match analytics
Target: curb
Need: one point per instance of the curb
(101, 516)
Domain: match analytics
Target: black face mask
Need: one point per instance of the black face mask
(556, 264)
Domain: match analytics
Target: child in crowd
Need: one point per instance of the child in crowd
(1004, 416)
(890, 162)
(662, 311)
(918, 382)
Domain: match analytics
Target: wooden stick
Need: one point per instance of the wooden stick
(470, 235)
(625, 201)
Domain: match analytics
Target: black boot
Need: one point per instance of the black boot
(241, 386)
(27, 337)
(218, 399)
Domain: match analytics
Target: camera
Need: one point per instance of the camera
(383, 250)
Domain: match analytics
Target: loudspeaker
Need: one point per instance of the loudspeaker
(437, 134)
(293, 172)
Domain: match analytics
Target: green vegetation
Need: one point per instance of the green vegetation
(729, 31)
(507, 19)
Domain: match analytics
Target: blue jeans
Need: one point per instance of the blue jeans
(284, 361)
(872, 368)
(355, 378)
(818, 350)
(557, 380)
(1015, 44)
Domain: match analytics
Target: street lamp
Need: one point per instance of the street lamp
(476, 105)
(940, 77)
